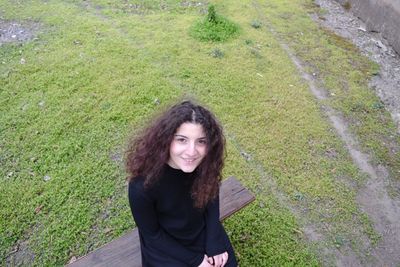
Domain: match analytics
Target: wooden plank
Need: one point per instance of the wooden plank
(233, 197)
(125, 251)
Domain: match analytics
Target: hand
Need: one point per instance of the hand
(205, 262)
(219, 260)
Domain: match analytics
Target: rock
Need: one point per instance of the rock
(246, 155)
(362, 28)
(72, 260)
(38, 209)
(381, 45)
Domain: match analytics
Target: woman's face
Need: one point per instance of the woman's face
(188, 147)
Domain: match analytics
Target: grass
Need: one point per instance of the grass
(98, 72)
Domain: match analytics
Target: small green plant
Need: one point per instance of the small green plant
(339, 241)
(248, 41)
(347, 5)
(214, 27)
(378, 105)
(256, 24)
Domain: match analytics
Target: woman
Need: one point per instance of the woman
(174, 169)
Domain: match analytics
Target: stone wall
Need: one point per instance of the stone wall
(380, 16)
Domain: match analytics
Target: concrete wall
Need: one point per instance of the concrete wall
(380, 16)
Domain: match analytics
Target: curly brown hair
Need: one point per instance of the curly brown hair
(148, 152)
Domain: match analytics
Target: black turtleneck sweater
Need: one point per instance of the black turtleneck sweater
(172, 231)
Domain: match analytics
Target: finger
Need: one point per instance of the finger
(221, 261)
(224, 259)
(217, 261)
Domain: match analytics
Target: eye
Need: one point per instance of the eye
(202, 141)
(180, 140)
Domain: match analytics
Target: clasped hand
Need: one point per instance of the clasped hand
(215, 261)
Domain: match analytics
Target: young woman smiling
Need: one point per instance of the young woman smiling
(174, 172)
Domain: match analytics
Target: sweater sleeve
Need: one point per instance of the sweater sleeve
(215, 244)
(142, 207)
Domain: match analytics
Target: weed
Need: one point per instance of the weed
(347, 5)
(248, 42)
(214, 27)
(339, 241)
(256, 24)
(298, 196)
(378, 105)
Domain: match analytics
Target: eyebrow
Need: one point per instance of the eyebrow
(203, 137)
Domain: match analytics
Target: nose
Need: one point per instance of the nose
(191, 149)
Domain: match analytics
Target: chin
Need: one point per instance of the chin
(188, 169)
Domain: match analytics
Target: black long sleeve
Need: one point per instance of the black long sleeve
(144, 212)
(214, 232)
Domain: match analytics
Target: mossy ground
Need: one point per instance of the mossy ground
(100, 70)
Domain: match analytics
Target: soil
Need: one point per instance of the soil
(17, 32)
(21, 255)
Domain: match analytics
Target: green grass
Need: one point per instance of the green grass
(98, 72)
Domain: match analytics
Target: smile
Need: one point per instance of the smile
(189, 160)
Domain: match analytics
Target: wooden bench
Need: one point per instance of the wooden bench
(125, 251)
